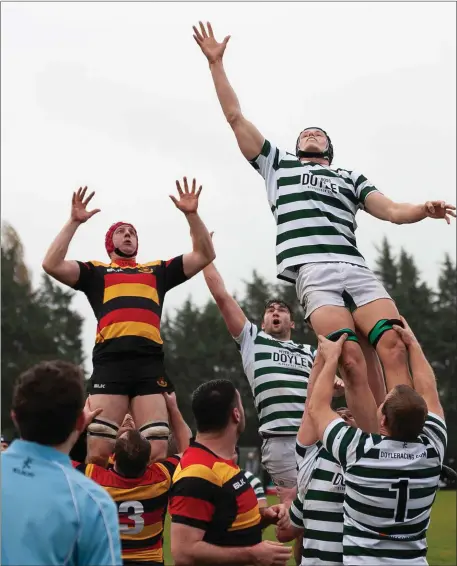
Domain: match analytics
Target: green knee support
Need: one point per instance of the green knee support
(380, 327)
(334, 336)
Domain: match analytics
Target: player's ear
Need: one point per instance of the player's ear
(236, 415)
(292, 324)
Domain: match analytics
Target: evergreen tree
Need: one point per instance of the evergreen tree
(36, 325)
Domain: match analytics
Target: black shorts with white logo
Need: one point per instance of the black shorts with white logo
(142, 375)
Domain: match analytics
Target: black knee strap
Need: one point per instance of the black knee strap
(334, 336)
(380, 327)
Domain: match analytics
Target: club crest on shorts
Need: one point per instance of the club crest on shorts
(162, 382)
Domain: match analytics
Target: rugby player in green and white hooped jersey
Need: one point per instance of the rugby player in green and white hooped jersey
(314, 206)
(277, 370)
(391, 479)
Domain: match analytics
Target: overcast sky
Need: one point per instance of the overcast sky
(118, 96)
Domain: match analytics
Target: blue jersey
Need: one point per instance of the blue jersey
(52, 514)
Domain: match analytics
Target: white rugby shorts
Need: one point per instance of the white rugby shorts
(337, 284)
(278, 458)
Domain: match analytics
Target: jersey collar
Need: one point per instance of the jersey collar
(124, 263)
(34, 450)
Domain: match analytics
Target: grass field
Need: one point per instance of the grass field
(441, 535)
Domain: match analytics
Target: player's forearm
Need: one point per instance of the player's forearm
(405, 213)
(227, 97)
(307, 433)
(323, 388)
(423, 375)
(179, 428)
(201, 239)
(201, 553)
(59, 248)
(214, 282)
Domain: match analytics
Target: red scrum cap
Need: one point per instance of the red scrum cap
(109, 244)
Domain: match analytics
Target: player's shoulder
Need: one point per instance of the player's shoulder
(86, 489)
(92, 263)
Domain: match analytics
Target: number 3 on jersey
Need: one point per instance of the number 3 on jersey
(402, 501)
(136, 516)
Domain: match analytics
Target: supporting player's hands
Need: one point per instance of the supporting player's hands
(170, 401)
(88, 414)
(188, 200)
(328, 350)
(212, 49)
(79, 212)
(270, 553)
(439, 209)
(273, 514)
(338, 387)
(406, 334)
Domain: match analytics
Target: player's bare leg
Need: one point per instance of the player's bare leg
(102, 432)
(151, 417)
(326, 320)
(375, 373)
(389, 347)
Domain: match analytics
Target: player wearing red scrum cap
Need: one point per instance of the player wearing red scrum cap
(127, 300)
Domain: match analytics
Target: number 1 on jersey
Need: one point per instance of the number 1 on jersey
(402, 501)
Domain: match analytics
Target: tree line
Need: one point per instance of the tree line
(39, 324)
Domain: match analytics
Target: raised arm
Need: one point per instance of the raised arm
(54, 263)
(319, 406)
(234, 317)
(379, 206)
(178, 425)
(424, 381)
(249, 139)
(203, 250)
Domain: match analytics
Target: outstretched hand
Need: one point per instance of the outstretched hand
(88, 414)
(439, 209)
(212, 49)
(188, 200)
(79, 205)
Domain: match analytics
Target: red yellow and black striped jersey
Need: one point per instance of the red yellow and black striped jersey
(142, 505)
(212, 494)
(127, 300)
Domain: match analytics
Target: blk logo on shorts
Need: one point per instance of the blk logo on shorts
(162, 382)
(99, 385)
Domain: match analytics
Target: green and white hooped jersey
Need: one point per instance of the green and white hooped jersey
(318, 507)
(314, 207)
(278, 373)
(256, 485)
(390, 489)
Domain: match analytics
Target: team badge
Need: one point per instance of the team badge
(145, 269)
(162, 382)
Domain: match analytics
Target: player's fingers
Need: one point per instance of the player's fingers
(178, 186)
(193, 185)
(92, 212)
(226, 39)
(448, 220)
(198, 35)
(186, 186)
(450, 206)
(174, 199)
(203, 30)
(342, 338)
(197, 40)
(83, 193)
(451, 212)
(89, 198)
(73, 198)
(210, 29)
(199, 191)
(429, 206)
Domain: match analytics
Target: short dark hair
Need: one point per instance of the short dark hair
(132, 453)
(277, 301)
(48, 398)
(212, 404)
(405, 411)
